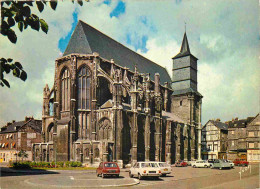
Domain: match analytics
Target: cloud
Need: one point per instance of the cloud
(222, 34)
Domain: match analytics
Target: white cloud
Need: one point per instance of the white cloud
(222, 34)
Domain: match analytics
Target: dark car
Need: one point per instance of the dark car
(181, 163)
(108, 169)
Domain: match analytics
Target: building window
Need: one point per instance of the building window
(84, 81)
(233, 143)
(87, 152)
(65, 90)
(232, 132)
(251, 145)
(96, 153)
(251, 134)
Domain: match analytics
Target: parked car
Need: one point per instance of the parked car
(181, 163)
(145, 169)
(165, 168)
(240, 162)
(201, 163)
(221, 164)
(230, 162)
(211, 160)
(190, 163)
(108, 169)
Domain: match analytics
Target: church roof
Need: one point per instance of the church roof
(185, 49)
(87, 40)
(185, 91)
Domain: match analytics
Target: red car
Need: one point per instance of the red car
(108, 169)
(181, 163)
(240, 162)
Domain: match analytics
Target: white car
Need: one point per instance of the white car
(145, 169)
(165, 168)
(201, 163)
(230, 162)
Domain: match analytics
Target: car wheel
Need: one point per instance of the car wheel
(97, 174)
(205, 166)
(220, 168)
(102, 175)
(194, 166)
(139, 176)
(130, 175)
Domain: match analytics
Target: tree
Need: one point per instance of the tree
(22, 154)
(18, 13)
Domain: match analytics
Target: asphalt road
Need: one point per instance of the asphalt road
(181, 177)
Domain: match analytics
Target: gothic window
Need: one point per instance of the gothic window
(87, 152)
(51, 104)
(50, 132)
(105, 129)
(65, 90)
(84, 80)
(96, 153)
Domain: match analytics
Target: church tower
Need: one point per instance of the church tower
(186, 100)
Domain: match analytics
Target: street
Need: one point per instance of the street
(181, 177)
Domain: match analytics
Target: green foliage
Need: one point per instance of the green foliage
(18, 13)
(76, 164)
(21, 165)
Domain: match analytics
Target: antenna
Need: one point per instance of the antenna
(185, 26)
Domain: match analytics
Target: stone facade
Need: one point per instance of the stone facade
(237, 138)
(98, 110)
(214, 140)
(253, 140)
(17, 136)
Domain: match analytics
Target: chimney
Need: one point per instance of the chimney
(27, 118)
(13, 121)
(236, 118)
(9, 123)
(218, 119)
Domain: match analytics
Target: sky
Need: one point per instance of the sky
(223, 35)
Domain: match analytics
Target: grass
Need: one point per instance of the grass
(65, 168)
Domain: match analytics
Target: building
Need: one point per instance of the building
(253, 140)
(214, 140)
(110, 103)
(237, 138)
(17, 136)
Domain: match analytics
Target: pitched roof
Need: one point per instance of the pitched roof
(172, 117)
(87, 40)
(185, 49)
(241, 123)
(15, 126)
(220, 125)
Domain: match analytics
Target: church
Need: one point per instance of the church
(109, 103)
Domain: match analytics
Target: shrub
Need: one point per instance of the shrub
(67, 163)
(76, 164)
(60, 163)
(23, 165)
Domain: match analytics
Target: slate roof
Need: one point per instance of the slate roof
(185, 91)
(220, 125)
(242, 123)
(185, 49)
(87, 40)
(34, 124)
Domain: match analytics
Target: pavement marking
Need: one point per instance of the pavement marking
(72, 178)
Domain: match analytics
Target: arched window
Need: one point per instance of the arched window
(96, 153)
(51, 103)
(65, 90)
(84, 80)
(87, 152)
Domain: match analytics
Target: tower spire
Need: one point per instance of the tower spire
(185, 44)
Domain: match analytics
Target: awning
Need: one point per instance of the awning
(10, 135)
(6, 144)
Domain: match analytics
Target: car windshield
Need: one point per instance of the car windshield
(164, 165)
(149, 165)
(110, 165)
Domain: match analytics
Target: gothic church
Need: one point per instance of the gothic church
(109, 103)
